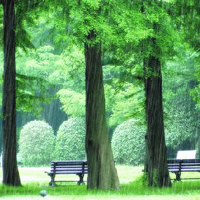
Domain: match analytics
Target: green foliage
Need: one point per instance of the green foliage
(71, 79)
(115, 23)
(187, 18)
(26, 13)
(128, 103)
(34, 78)
(181, 124)
(164, 37)
(73, 103)
(70, 140)
(195, 58)
(39, 63)
(144, 179)
(128, 143)
(29, 98)
(36, 143)
(71, 74)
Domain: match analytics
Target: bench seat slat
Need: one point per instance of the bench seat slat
(74, 171)
(64, 168)
(67, 172)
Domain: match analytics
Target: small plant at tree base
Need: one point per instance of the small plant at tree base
(144, 179)
(70, 140)
(128, 143)
(36, 143)
(155, 178)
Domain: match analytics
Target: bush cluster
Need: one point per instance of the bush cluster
(38, 146)
(128, 143)
(70, 140)
(36, 143)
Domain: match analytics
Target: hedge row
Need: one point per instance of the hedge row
(39, 146)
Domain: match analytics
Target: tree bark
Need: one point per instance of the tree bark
(10, 169)
(156, 155)
(102, 172)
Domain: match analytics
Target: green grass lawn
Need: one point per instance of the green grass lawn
(34, 180)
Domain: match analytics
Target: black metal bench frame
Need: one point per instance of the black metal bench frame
(67, 167)
(183, 165)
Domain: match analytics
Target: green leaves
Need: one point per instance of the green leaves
(71, 140)
(181, 124)
(36, 144)
(33, 82)
(29, 98)
(128, 143)
(129, 103)
(73, 103)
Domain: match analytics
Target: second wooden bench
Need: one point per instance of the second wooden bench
(67, 167)
(183, 165)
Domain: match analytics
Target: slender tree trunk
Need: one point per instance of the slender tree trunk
(156, 155)
(10, 169)
(102, 172)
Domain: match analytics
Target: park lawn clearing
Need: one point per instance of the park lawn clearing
(37, 174)
(34, 180)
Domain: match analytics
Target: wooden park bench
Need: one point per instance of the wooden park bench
(185, 162)
(67, 167)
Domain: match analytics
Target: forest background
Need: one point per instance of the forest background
(51, 81)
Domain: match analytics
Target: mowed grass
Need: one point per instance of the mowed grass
(34, 180)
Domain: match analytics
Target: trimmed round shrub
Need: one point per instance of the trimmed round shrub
(128, 143)
(36, 143)
(70, 140)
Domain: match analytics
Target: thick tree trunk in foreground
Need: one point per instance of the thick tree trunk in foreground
(10, 170)
(102, 172)
(156, 155)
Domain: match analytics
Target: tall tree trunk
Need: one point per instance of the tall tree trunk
(10, 169)
(102, 172)
(156, 155)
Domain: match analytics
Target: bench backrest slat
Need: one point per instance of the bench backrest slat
(175, 165)
(79, 167)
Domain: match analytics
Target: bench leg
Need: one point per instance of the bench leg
(81, 176)
(52, 182)
(178, 176)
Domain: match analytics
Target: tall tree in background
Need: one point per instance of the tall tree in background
(10, 169)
